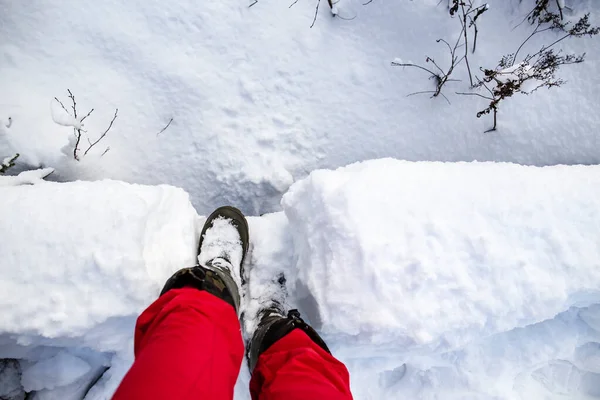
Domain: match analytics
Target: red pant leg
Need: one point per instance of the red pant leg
(295, 368)
(188, 345)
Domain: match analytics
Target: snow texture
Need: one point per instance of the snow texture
(26, 177)
(495, 265)
(258, 99)
(79, 264)
(445, 253)
(10, 380)
(62, 117)
(429, 280)
(60, 370)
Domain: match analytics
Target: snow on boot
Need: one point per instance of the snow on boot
(221, 252)
(274, 325)
(223, 246)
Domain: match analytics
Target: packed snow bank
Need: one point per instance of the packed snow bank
(423, 278)
(397, 257)
(79, 261)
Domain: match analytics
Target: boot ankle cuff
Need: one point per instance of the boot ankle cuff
(298, 322)
(202, 279)
(277, 330)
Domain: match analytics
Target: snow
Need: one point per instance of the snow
(26, 177)
(236, 102)
(516, 72)
(60, 370)
(379, 256)
(259, 99)
(455, 265)
(10, 380)
(62, 117)
(425, 240)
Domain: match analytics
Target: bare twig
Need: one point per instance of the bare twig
(475, 38)
(76, 148)
(368, 2)
(463, 22)
(77, 127)
(412, 65)
(559, 9)
(429, 59)
(344, 18)
(435, 94)
(295, 1)
(105, 151)
(493, 128)
(74, 106)
(442, 77)
(535, 32)
(104, 134)
(165, 128)
(255, 1)
(62, 105)
(87, 115)
(6, 165)
(474, 94)
(316, 13)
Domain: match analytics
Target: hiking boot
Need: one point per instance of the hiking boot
(274, 325)
(222, 249)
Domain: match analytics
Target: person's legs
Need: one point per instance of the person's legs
(188, 343)
(290, 361)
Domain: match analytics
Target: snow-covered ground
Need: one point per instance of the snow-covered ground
(259, 99)
(237, 105)
(429, 280)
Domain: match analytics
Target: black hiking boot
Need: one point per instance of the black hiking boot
(274, 325)
(224, 242)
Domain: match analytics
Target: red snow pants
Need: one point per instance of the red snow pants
(188, 345)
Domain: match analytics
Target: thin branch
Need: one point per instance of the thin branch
(423, 92)
(435, 94)
(316, 13)
(368, 2)
(474, 94)
(434, 63)
(444, 96)
(78, 135)
(475, 37)
(524, 19)
(559, 9)
(463, 22)
(413, 65)
(344, 18)
(553, 44)
(165, 128)
(62, 105)
(74, 106)
(493, 128)
(6, 165)
(255, 1)
(108, 148)
(87, 115)
(535, 32)
(447, 44)
(295, 1)
(105, 132)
